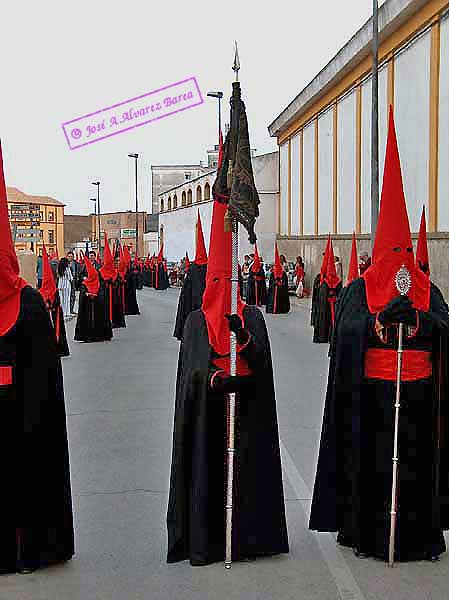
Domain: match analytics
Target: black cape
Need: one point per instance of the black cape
(93, 324)
(147, 277)
(322, 320)
(352, 492)
(315, 291)
(57, 316)
(281, 296)
(161, 278)
(191, 296)
(196, 513)
(36, 519)
(118, 309)
(259, 298)
(131, 305)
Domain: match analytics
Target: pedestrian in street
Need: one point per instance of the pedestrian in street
(191, 296)
(299, 277)
(278, 300)
(65, 280)
(36, 520)
(196, 508)
(353, 486)
(338, 268)
(256, 285)
(75, 268)
(365, 262)
(326, 298)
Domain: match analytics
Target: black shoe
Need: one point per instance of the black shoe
(359, 554)
(433, 557)
(26, 571)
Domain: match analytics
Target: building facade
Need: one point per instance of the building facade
(179, 206)
(36, 220)
(324, 137)
(164, 177)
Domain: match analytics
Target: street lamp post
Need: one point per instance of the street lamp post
(136, 156)
(375, 125)
(97, 183)
(218, 95)
(95, 207)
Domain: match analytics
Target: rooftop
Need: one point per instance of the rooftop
(15, 195)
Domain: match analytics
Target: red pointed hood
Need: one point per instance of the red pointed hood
(393, 244)
(217, 295)
(323, 269)
(126, 255)
(278, 271)
(160, 256)
(353, 272)
(257, 265)
(48, 288)
(147, 262)
(332, 279)
(122, 265)
(200, 251)
(92, 282)
(187, 262)
(108, 270)
(422, 253)
(11, 283)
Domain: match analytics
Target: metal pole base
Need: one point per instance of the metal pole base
(228, 565)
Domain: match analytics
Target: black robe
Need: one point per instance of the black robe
(131, 305)
(352, 492)
(118, 309)
(36, 521)
(161, 281)
(147, 277)
(191, 296)
(322, 325)
(281, 296)
(256, 280)
(196, 509)
(315, 292)
(57, 317)
(93, 323)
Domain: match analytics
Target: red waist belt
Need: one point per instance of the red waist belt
(381, 363)
(224, 363)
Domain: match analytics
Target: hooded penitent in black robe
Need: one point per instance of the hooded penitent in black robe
(93, 323)
(131, 306)
(161, 281)
(147, 277)
(352, 493)
(322, 325)
(118, 310)
(36, 521)
(196, 510)
(280, 296)
(256, 280)
(191, 296)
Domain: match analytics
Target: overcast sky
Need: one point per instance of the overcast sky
(61, 60)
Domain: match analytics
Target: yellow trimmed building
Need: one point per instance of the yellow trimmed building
(34, 220)
(324, 137)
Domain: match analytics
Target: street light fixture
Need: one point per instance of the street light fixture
(95, 208)
(136, 156)
(97, 183)
(218, 95)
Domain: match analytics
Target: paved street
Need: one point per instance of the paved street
(119, 398)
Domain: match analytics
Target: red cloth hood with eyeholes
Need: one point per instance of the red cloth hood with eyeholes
(122, 266)
(422, 253)
(48, 288)
(160, 256)
(217, 295)
(200, 250)
(11, 284)
(332, 279)
(278, 271)
(353, 272)
(393, 243)
(323, 269)
(108, 270)
(257, 265)
(92, 281)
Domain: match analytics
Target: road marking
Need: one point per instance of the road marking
(344, 580)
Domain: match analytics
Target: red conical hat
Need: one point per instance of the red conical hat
(332, 279)
(48, 288)
(11, 283)
(422, 253)
(108, 270)
(325, 260)
(278, 271)
(393, 244)
(160, 256)
(353, 272)
(257, 265)
(200, 251)
(92, 282)
(126, 255)
(217, 295)
(122, 266)
(187, 262)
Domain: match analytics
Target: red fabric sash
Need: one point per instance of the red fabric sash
(5, 375)
(381, 363)
(224, 363)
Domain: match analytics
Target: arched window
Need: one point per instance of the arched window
(169, 203)
(175, 202)
(162, 205)
(199, 194)
(207, 191)
(189, 197)
(183, 199)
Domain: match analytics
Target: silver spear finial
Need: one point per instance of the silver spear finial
(236, 67)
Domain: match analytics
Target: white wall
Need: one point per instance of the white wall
(346, 163)
(325, 172)
(443, 166)
(309, 179)
(295, 204)
(284, 188)
(179, 229)
(411, 101)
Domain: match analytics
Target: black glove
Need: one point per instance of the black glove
(399, 310)
(227, 384)
(236, 325)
